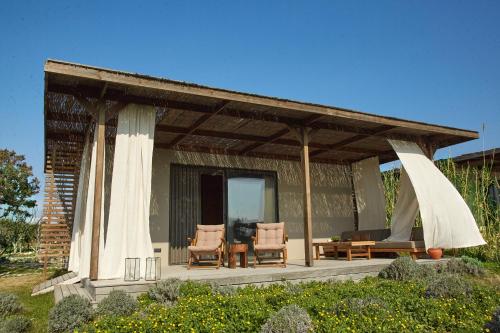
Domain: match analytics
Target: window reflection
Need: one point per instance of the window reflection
(250, 200)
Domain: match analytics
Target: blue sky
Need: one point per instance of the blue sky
(433, 61)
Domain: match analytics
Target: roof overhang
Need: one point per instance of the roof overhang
(205, 119)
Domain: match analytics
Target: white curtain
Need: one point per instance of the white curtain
(80, 208)
(405, 212)
(369, 191)
(81, 242)
(128, 223)
(446, 218)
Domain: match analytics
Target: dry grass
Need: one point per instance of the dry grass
(20, 281)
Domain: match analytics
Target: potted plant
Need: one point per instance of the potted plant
(435, 253)
(335, 238)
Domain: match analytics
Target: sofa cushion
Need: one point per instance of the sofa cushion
(399, 245)
(417, 234)
(374, 235)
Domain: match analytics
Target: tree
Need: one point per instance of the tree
(17, 186)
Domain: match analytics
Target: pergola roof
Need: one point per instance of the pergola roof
(200, 118)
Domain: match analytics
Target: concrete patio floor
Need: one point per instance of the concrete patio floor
(295, 272)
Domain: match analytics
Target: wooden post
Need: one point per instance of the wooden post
(307, 198)
(428, 148)
(96, 219)
(354, 200)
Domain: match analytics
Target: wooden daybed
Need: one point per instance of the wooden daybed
(415, 246)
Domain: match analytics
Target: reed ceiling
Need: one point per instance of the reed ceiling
(198, 118)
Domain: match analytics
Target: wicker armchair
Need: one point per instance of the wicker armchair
(270, 238)
(208, 241)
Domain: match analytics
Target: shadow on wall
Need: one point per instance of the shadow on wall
(332, 206)
(160, 200)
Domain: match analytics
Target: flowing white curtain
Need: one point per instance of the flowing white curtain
(128, 223)
(80, 208)
(405, 212)
(446, 218)
(369, 190)
(81, 241)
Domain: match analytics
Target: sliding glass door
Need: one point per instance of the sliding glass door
(207, 195)
(251, 199)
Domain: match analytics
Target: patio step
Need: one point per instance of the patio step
(65, 290)
(48, 286)
(295, 272)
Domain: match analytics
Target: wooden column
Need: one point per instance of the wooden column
(96, 218)
(354, 200)
(428, 148)
(307, 198)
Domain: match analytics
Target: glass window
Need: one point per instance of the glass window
(250, 200)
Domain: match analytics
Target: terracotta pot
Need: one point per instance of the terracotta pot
(435, 253)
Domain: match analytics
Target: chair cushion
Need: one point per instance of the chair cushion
(205, 248)
(270, 233)
(270, 247)
(215, 227)
(399, 245)
(209, 235)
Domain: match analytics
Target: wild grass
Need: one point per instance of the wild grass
(474, 184)
(36, 308)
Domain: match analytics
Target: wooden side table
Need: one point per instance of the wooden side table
(242, 249)
(353, 249)
(317, 246)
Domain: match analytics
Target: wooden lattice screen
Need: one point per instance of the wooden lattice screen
(61, 184)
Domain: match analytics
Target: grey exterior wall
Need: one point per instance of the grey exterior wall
(332, 206)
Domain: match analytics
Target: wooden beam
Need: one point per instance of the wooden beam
(198, 123)
(257, 139)
(114, 110)
(165, 86)
(87, 105)
(351, 140)
(279, 134)
(115, 95)
(221, 151)
(306, 182)
(96, 217)
(269, 139)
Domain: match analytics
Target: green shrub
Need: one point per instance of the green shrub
(118, 303)
(358, 305)
(9, 304)
(401, 269)
(291, 318)
(191, 288)
(448, 286)
(293, 288)
(372, 304)
(70, 313)
(225, 290)
(494, 324)
(15, 324)
(464, 265)
(166, 292)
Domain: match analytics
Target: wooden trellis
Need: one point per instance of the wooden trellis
(61, 185)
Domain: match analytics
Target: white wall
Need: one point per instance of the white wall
(332, 206)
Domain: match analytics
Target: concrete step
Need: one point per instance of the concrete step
(65, 290)
(48, 286)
